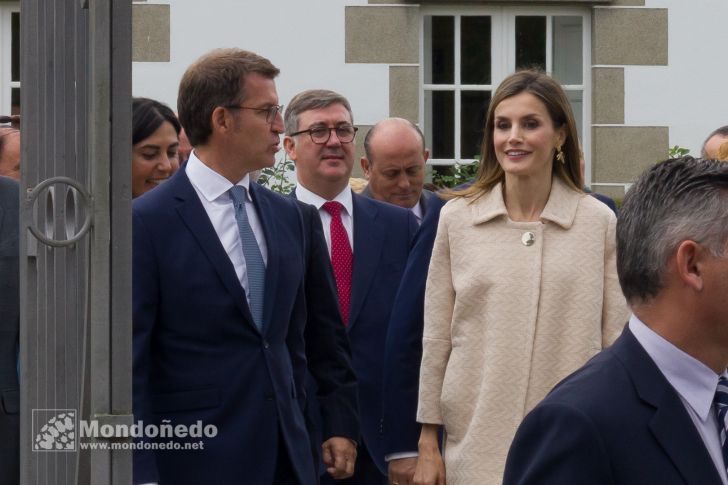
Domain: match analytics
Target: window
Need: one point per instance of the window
(9, 59)
(467, 53)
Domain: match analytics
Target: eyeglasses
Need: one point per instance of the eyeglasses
(321, 134)
(270, 113)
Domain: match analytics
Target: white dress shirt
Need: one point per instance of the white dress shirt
(694, 382)
(347, 214)
(417, 211)
(213, 191)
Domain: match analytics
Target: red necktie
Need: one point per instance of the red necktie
(341, 258)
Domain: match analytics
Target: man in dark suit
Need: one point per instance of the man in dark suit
(9, 317)
(229, 280)
(403, 354)
(394, 164)
(652, 407)
(369, 242)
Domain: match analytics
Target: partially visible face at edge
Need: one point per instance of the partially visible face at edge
(10, 156)
(154, 159)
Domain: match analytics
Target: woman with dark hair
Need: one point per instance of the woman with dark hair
(155, 139)
(522, 287)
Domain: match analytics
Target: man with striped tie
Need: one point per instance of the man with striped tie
(652, 407)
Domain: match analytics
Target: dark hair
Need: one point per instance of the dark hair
(550, 93)
(147, 116)
(676, 200)
(722, 131)
(214, 80)
(374, 129)
(312, 99)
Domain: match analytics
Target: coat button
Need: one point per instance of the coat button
(265, 344)
(528, 238)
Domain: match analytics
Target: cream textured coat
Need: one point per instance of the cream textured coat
(505, 319)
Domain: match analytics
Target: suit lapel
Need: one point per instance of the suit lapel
(262, 202)
(671, 425)
(195, 218)
(368, 241)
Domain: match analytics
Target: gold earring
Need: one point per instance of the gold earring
(560, 155)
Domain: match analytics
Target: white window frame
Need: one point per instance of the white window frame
(503, 61)
(6, 84)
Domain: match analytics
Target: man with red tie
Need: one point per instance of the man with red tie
(368, 243)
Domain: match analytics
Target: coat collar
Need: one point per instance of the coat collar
(560, 208)
(670, 423)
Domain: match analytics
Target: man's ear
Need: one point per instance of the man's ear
(220, 120)
(365, 166)
(426, 155)
(289, 145)
(690, 258)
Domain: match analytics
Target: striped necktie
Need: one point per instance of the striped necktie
(254, 265)
(341, 258)
(721, 409)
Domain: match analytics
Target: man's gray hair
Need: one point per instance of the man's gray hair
(312, 99)
(676, 200)
(722, 131)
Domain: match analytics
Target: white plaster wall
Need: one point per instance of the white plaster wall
(690, 95)
(304, 38)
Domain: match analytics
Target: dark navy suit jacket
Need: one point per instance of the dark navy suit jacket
(199, 356)
(382, 237)
(9, 317)
(404, 341)
(615, 421)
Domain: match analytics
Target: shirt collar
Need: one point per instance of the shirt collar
(210, 183)
(344, 198)
(417, 211)
(560, 208)
(692, 379)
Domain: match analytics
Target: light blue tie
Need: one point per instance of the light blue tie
(255, 266)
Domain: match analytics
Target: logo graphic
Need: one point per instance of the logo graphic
(58, 431)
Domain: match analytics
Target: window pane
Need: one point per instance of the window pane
(440, 50)
(475, 50)
(474, 105)
(530, 42)
(15, 47)
(567, 50)
(440, 109)
(576, 98)
(15, 101)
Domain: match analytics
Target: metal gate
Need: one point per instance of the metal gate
(75, 256)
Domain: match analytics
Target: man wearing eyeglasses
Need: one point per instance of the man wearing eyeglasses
(368, 243)
(230, 280)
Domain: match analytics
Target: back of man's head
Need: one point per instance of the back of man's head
(216, 79)
(674, 201)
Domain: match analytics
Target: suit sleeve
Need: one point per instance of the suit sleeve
(437, 339)
(615, 311)
(403, 350)
(145, 291)
(557, 445)
(327, 345)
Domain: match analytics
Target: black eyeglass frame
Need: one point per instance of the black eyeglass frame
(329, 130)
(271, 111)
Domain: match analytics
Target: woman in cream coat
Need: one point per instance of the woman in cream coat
(522, 287)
